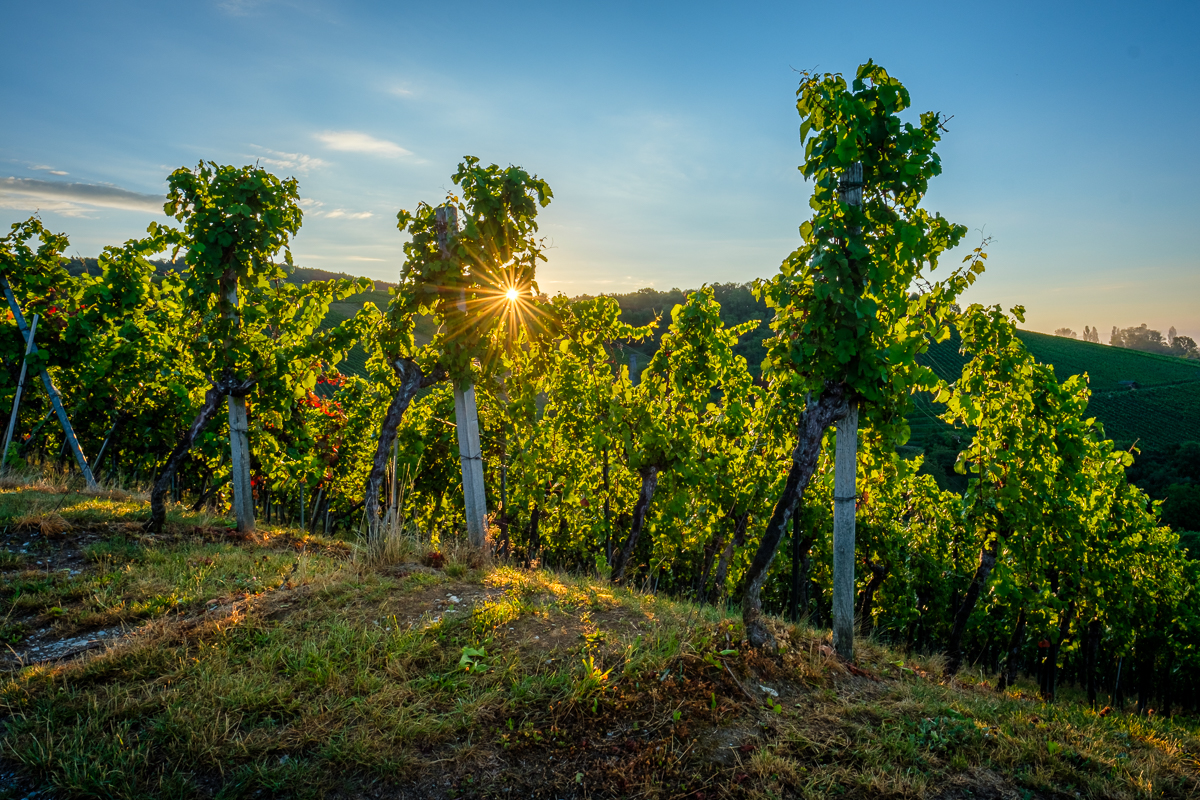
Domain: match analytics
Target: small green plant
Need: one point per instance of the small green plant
(472, 660)
(13, 633)
(714, 659)
(592, 679)
(603, 568)
(942, 733)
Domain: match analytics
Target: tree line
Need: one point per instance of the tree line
(1142, 338)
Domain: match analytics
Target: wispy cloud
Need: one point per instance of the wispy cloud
(338, 257)
(358, 142)
(298, 162)
(315, 208)
(73, 199)
(260, 8)
(49, 169)
(240, 8)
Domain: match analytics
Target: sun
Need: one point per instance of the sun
(512, 295)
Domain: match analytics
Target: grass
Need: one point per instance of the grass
(285, 666)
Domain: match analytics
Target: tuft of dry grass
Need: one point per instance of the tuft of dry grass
(398, 544)
(49, 524)
(50, 482)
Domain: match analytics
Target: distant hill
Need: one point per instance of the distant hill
(1149, 400)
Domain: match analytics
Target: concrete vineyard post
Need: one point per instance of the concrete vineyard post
(845, 466)
(12, 420)
(239, 443)
(466, 415)
(843, 534)
(239, 448)
(467, 422)
(55, 399)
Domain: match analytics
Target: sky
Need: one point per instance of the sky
(667, 131)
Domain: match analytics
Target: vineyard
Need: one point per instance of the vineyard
(351, 516)
(1154, 417)
(1108, 368)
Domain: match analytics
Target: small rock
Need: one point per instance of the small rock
(769, 690)
(454, 599)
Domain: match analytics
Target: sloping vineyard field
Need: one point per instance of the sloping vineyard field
(1108, 366)
(1155, 418)
(1164, 410)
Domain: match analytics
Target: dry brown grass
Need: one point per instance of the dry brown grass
(49, 524)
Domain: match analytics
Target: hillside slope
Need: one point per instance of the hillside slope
(1163, 410)
(203, 664)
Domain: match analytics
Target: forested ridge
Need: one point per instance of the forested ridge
(997, 525)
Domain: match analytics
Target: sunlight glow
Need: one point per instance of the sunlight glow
(512, 295)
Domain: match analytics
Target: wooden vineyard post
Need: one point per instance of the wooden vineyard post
(239, 443)
(466, 414)
(55, 399)
(12, 420)
(845, 467)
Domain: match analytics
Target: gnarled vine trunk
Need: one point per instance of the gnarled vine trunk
(1008, 673)
(532, 542)
(987, 561)
(833, 404)
(738, 540)
(649, 476)
(412, 380)
(1093, 653)
(711, 548)
(1050, 689)
(879, 573)
(212, 401)
(801, 560)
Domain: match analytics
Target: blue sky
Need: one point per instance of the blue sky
(667, 131)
